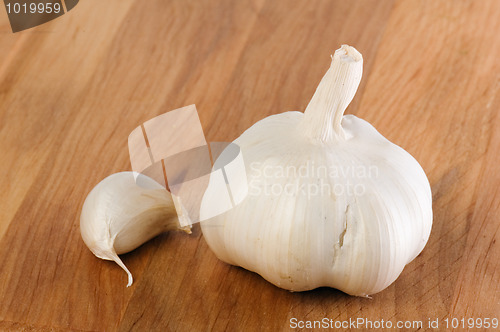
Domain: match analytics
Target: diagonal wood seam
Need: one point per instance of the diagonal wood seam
(63, 2)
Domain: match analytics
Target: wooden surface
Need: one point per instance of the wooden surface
(73, 89)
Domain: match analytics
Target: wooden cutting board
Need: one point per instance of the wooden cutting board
(71, 91)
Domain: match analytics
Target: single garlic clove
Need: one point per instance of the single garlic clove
(122, 212)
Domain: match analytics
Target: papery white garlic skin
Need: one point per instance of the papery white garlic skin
(122, 212)
(358, 243)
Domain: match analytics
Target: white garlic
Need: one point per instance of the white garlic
(122, 212)
(357, 214)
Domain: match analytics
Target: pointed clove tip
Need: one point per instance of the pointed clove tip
(130, 279)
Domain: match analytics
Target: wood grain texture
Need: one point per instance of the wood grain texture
(72, 90)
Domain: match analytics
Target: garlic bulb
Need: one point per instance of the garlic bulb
(331, 202)
(122, 212)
